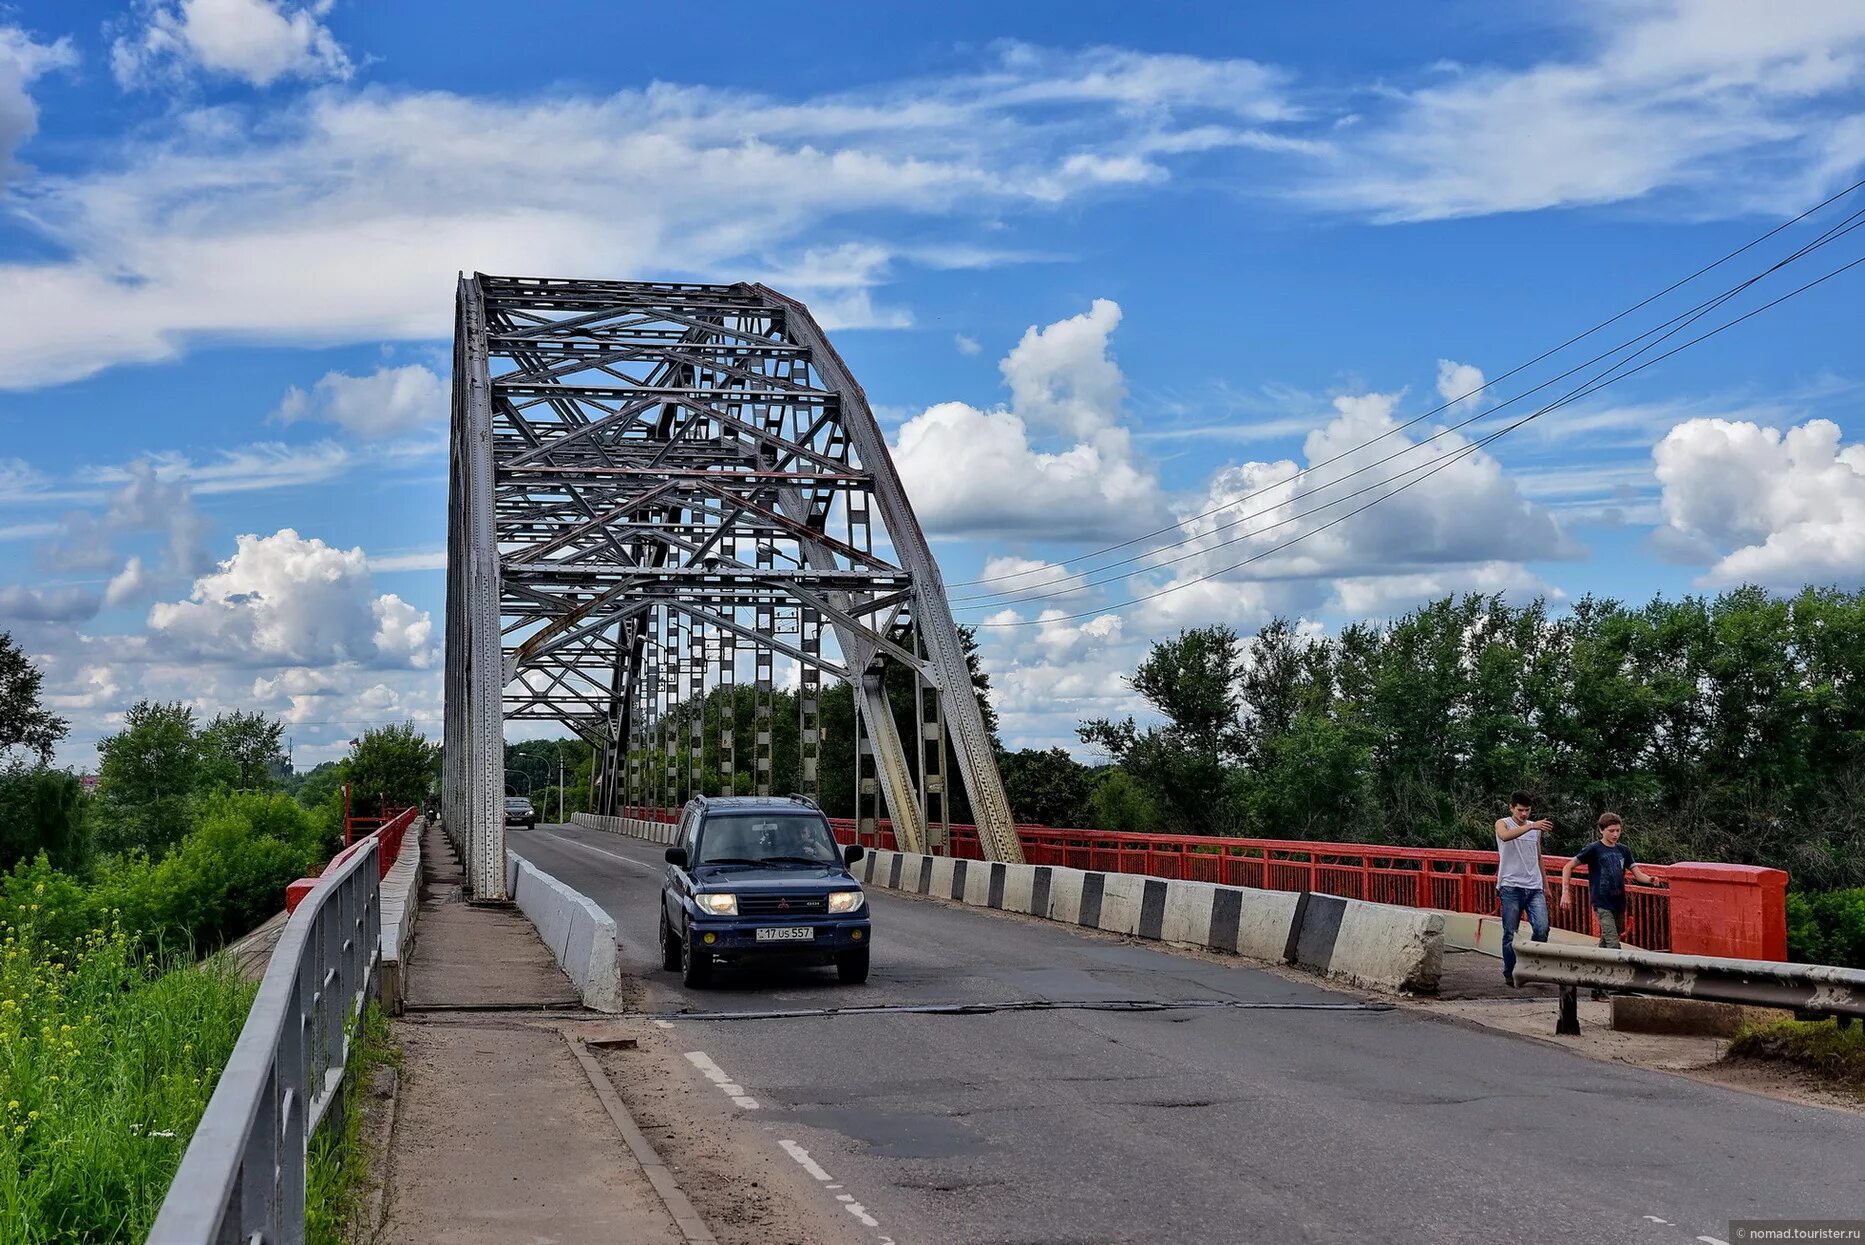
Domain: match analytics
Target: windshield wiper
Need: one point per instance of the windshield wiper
(731, 860)
(795, 860)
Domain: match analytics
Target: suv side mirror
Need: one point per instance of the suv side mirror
(853, 852)
(676, 856)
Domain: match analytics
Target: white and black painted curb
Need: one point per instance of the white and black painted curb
(1367, 944)
(632, 827)
(1379, 946)
(581, 936)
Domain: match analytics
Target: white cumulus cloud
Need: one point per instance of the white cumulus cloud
(1765, 506)
(1057, 461)
(288, 600)
(257, 41)
(385, 403)
(1460, 382)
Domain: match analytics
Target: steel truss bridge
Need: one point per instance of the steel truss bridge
(657, 491)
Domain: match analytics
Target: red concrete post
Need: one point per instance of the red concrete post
(1734, 911)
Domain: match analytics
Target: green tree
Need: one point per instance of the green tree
(317, 787)
(148, 774)
(1193, 682)
(390, 765)
(24, 723)
(42, 810)
(1046, 787)
(245, 748)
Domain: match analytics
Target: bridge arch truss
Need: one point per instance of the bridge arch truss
(657, 491)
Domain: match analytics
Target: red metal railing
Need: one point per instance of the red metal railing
(1705, 909)
(388, 831)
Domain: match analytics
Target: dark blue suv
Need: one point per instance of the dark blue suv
(760, 878)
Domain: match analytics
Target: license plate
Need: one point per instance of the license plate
(793, 933)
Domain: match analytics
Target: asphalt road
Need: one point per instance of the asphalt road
(1208, 1123)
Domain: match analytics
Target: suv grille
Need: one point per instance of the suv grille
(782, 905)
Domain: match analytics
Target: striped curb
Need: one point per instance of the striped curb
(1379, 946)
(1366, 944)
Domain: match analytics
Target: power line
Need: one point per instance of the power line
(1126, 544)
(1006, 598)
(1447, 461)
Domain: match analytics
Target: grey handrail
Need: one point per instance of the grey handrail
(1809, 988)
(242, 1177)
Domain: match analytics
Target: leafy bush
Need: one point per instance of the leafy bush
(225, 877)
(104, 1070)
(1827, 928)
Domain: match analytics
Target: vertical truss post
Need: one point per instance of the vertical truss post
(761, 732)
(728, 713)
(866, 831)
(670, 733)
(929, 719)
(809, 705)
(476, 683)
(696, 705)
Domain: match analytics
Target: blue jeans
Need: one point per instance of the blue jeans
(1515, 901)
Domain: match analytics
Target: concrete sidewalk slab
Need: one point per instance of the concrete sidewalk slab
(470, 955)
(500, 1135)
(502, 1139)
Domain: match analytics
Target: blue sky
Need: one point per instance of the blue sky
(1102, 268)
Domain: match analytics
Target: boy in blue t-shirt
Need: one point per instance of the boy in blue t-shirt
(1608, 863)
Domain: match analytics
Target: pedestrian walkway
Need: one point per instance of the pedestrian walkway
(500, 1135)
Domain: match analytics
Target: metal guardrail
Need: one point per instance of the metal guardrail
(1808, 989)
(242, 1177)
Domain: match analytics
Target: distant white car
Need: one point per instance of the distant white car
(518, 812)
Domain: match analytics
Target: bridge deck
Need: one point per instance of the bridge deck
(1214, 1124)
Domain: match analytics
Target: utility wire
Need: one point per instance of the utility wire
(1747, 246)
(1009, 597)
(1447, 461)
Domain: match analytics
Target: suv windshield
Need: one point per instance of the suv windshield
(767, 838)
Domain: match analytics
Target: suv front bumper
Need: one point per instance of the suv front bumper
(735, 938)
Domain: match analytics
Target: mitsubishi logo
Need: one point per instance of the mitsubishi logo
(783, 905)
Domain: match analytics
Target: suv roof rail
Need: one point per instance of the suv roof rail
(800, 798)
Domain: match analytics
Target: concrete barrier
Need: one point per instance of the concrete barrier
(631, 827)
(580, 935)
(401, 903)
(1366, 944)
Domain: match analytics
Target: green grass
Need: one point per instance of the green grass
(337, 1179)
(106, 1064)
(1821, 1047)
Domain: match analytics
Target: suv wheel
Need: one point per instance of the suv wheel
(852, 967)
(695, 966)
(670, 950)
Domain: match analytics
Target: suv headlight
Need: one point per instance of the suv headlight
(844, 901)
(718, 905)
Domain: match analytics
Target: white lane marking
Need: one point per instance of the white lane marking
(643, 866)
(1666, 1222)
(847, 1200)
(717, 1075)
(807, 1163)
(663, 1024)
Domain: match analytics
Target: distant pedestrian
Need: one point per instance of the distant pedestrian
(1521, 885)
(1608, 862)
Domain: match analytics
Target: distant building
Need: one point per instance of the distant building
(89, 782)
